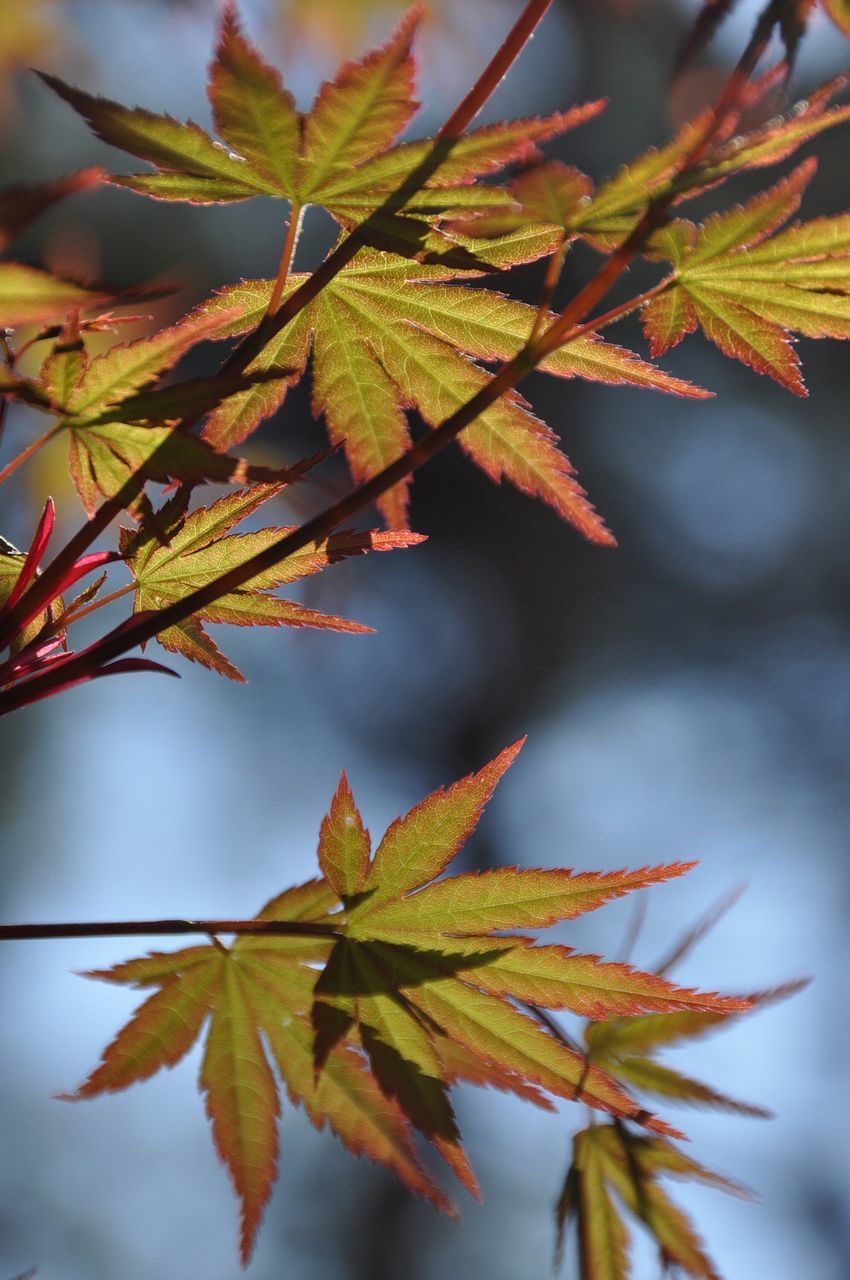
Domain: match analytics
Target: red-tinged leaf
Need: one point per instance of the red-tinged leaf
(359, 113)
(417, 847)
(254, 114)
(778, 139)
(339, 154)
(19, 206)
(128, 367)
(478, 153)
(460, 1063)
(344, 1094)
(749, 292)
(744, 335)
(163, 141)
(550, 193)
(29, 295)
(65, 367)
(313, 900)
(287, 354)
(603, 1238)
(161, 1031)
(156, 969)
(663, 1082)
(360, 402)
(406, 1063)
(344, 846)
(200, 549)
(555, 978)
(747, 225)
(497, 1031)
(667, 318)
(117, 458)
(241, 1101)
(677, 1241)
(391, 335)
(480, 902)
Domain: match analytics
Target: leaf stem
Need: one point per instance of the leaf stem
(27, 453)
(293, 230)
(74, 616)
(496, 70)
(132, 928)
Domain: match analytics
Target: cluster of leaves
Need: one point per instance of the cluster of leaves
(389, 983)
(369, 991)
(395, 325)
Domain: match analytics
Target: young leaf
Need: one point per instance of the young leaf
(200, 547)
(339, 155)
(609, 1158)
(29, 295)
(389, 335)
(371, 1034)
(748, 292)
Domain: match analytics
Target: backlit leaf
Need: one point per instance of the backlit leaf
(200, 547)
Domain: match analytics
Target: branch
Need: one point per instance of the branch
(131, 928)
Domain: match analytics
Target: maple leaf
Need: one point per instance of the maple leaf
(186, 551)
(389, 986)
(747, 289)
(30, 294)
(338, 155)
(609, 1158)
(559, 195)
(121, 433)
(257, 997)
(390, 334)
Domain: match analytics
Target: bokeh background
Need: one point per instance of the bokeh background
(685, 696)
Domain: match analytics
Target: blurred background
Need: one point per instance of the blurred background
(686, 696)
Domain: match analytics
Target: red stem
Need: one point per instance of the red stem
(27, 453)
(293, 231)
(496, 70)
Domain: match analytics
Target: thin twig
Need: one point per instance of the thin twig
(133, 928)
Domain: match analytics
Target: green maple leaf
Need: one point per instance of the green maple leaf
(610, 1158)
(339, 155)
(120, 431)
(749, 290)
(186, 551)
(561, 196)
(398, 985)
(613, 1158)
(256, 997)
(390, 334)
